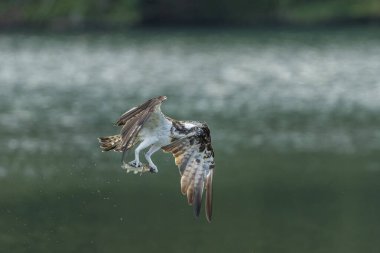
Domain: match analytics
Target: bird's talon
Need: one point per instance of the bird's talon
(153, 170)
(135, 164)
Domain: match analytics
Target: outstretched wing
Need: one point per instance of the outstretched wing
(134, 119)
(194, 157)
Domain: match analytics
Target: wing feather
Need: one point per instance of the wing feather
(188, 176)
(199, 180)
(134, 119)
(138, 109)
(194, 157)
(209, 195)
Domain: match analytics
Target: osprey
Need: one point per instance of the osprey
(189, 141)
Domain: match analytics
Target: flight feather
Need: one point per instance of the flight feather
(194, 157)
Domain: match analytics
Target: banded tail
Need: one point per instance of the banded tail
(108, 143)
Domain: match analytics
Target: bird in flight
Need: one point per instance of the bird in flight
(189, 141)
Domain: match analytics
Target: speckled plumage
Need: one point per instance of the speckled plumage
(188, 141)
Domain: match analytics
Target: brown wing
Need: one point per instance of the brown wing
(194, 157)
(134, 119)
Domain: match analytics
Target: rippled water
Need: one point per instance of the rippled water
(294, 118)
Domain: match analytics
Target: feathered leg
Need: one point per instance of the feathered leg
(144, 144)
(151, 151)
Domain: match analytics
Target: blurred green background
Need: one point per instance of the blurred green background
(290, 90)
(55, 14)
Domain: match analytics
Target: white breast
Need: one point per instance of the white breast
(157, 127)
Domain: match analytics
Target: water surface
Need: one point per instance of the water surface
(294, 121)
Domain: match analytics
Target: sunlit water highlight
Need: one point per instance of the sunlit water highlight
(281, 91)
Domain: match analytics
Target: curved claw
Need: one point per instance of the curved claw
(153, 170)
(135, 164)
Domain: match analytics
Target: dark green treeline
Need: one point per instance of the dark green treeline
(74, 13)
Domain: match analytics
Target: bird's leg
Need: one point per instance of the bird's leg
(144, 144)
(153, 149)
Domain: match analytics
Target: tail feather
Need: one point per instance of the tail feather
(108, 143)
